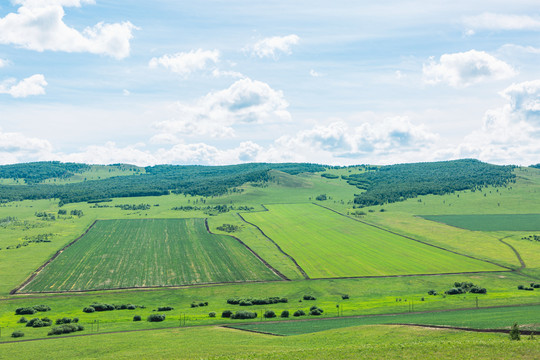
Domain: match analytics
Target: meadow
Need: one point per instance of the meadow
(149, 252)
(490, 222)
(327, 245)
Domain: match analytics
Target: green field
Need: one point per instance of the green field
(326, 244)
(492, 318)
(150, 252)
(490, 222)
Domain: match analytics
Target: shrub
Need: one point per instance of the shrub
(309, 297)
(65, 329)
(520, 287)
(212, 314)
(25, 311)
(243, 314)
(345, 297)
(194, 305)
(64, 320)
(314, 310)
(535, 286)
(155, 317)
(22, 320)
(245, 302)
(41, 308)
(299, 313)
(165, 308)
(432, 292)
(454, 291)
(269, 314)
(137, 318)
(226, 314)
(131, 307)
(285, 314)
(35, 322)
(75, 320)
(103, 307)
(89, 309)
(17, 334)
(514, 332)
(478, 290)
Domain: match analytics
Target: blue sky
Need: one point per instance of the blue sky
(223, 82)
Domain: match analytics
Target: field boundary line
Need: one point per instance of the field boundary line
(279, 247)
(35, 273)
(275, 271)
(259, 322)
(411, 275)
(419, 241)
(501, 331)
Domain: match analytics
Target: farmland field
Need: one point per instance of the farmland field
(492, 318)
(326, 244)
(149, 252)
(490, 222)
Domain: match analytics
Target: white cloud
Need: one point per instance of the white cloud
(509, 133)
(3, 63)
(16, 147)
(38, 25)
(491, 21)
(244, 102)
(273, 46)
(314, 73)
(391, 136)
(33, 85)
(186, 63)
(466, 68)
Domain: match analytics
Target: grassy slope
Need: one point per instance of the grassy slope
(150, 252)
(498, 318)
(374, 342)
(490, 222)
(326, 244)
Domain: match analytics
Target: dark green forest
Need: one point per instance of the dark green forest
(394, 183)
(36, 172)
(158, 180)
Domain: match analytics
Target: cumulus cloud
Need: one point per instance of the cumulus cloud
(510, 132)
(16, 147)
(466, 68)
(244, 102)
(185, 63)
(339, 140)
(3, 63)
(38, 25)
(274, 46)
(491, 21)
(33, 85)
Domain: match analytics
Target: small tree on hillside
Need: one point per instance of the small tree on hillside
(514, 332)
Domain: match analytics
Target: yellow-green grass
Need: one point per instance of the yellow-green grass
(367, 296)
(362, 342)
(490, 318)
(490, 222)
(149, 252)
(326, 245)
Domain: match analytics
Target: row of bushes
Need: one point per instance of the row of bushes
(164, 308)
(65, 329)
(199, 304)
(242, 314)
(31, 309)
(37, 322)
(110, 307)
(529, 288)
(255, 301)
(462, 288)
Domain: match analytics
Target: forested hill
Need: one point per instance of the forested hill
(399, 182)
(36, 172)
(158, 180)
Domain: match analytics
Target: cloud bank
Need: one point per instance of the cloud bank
(274, 46)
(33, 85)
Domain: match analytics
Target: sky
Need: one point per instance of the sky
(227, 82)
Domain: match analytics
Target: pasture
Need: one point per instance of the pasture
(149, 252)
(327, 245)
(490, 222)
(491, 318)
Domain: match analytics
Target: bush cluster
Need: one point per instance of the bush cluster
(137, 318)
(299, 313)
(110, 307)
(309, 297)
(36, 322)
(463, 288)
(243, 314)
(65, 329)
(165, 308)
(345, 297)
(269, 314)
(226, 314)
(31, 309)
(315, 310)
(199, 304)
(155, 317)
(285, 314)
(432, 292)
(212, 314)
(66, 320)
(256, 301)
(17, 333)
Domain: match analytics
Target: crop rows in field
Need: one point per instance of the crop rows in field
(326, 245)
(490, 222)
(492, 318)
(149, 252)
